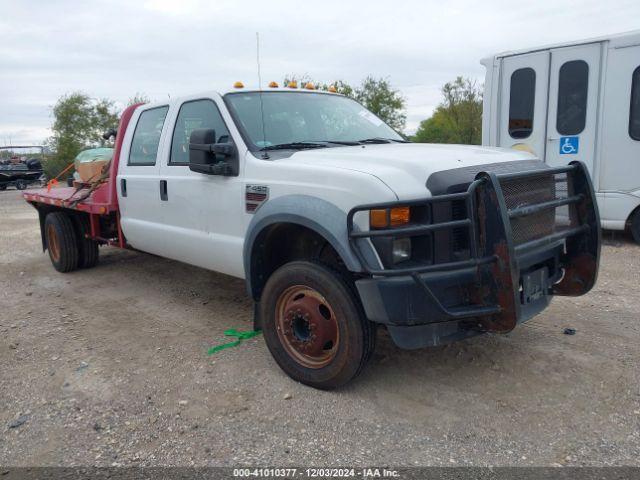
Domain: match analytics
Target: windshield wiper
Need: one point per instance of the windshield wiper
(326, 143)
(343, 142)
(381, 140)
(294, 146)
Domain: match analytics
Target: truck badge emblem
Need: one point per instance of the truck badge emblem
(255, 195)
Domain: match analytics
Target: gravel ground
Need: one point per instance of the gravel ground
(108, 367)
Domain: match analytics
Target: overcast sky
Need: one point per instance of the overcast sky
(116, 48)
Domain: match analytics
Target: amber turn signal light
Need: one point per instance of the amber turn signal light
(378, 218)
(399, 216)
(393, 217)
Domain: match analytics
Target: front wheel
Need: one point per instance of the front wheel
(21, 184)
(314, 325)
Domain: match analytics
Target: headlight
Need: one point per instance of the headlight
(401, 250)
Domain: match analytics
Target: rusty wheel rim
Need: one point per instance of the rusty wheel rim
(52, 243)
(307, 326)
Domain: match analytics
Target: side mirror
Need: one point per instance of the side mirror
(211, 158)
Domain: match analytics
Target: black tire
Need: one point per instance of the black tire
(355, 336)
(21, 184)
(3, 186)
(62, 241)
(88, 252)
(635, 226)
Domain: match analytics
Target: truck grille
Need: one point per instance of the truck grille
(460, 236)
(523, 192)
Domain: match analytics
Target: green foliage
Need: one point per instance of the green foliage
(382, 99)
(458, 118)
(376, 94)
(79, 122)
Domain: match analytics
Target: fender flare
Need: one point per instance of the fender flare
(323, 217)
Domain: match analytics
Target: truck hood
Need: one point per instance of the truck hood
(405, 167)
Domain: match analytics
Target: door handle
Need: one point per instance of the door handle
(123, 187)
(553, 139)
(163, 190)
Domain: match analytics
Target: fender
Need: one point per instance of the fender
(325, 218)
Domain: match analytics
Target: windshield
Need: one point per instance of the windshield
(293, 119)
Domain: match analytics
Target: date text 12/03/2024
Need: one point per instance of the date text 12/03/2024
(315, 472)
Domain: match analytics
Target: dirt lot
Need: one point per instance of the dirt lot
(109, 366)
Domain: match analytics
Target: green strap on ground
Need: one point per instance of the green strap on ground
(234, 333)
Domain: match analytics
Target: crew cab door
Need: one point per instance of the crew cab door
(138, 177)
(204, 218)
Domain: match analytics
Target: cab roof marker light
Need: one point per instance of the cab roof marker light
(332, 89)
(238, 85)
(292, 84)
(310, 86)
(273, 84)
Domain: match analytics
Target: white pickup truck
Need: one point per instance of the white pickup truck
(337, 224)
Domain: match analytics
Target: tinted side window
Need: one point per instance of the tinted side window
(194, 115)
(634, 114)
(144, 146)
(573, 84)
(522, 102)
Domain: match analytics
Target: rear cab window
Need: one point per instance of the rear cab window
(195, 114)
(634, 112)
(522, 98)
(573, 86)
(146, 137)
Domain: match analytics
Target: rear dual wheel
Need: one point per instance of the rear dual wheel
(314, 325)
(88, 252)
(61, 241)
(68, 246)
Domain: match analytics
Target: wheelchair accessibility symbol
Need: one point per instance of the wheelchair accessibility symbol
(569, 145)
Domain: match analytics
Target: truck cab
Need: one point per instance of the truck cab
(339, 225)
(574, 101)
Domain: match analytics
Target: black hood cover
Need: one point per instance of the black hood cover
(458, 179)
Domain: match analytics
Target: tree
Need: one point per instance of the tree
(383, 100)
(79, 122)
(458, 118)
(376, 94)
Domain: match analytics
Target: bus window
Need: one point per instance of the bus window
(522, 98)
(634, 112)
(573, 84)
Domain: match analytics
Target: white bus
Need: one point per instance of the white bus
(574, 101)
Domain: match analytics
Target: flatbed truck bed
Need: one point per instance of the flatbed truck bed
(99, 208)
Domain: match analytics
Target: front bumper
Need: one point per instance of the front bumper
(509, 271)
